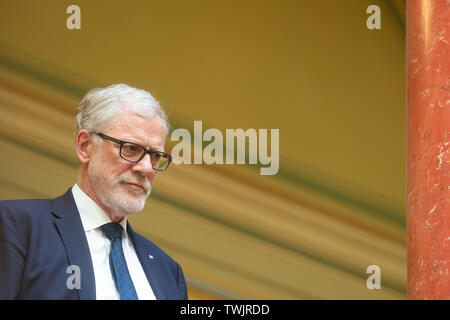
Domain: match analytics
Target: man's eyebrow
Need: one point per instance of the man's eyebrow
(134, 140)
(159, 149)
(156, 148)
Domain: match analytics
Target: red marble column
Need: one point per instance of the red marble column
(428, 148)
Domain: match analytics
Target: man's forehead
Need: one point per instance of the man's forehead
(136, 128)
(132, 120)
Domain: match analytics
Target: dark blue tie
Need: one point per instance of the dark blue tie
(117, 262)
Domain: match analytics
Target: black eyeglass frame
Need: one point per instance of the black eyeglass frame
(146, 151)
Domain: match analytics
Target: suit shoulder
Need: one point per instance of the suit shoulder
(25, 207)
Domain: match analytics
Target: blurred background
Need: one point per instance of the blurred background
(312, 69)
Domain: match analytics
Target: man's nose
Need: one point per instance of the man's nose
(144, 167)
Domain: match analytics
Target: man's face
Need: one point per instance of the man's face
(122, 187)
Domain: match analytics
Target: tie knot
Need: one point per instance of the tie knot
(112, 230)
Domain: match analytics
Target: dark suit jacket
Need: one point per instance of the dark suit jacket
(41, 238)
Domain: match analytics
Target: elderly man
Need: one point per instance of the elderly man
(80, 245)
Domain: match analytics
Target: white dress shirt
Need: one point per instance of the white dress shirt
(92, 218)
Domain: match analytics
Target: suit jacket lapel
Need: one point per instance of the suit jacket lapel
(74, 239)
(149, 263)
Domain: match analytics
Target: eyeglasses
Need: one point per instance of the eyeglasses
(134, 152)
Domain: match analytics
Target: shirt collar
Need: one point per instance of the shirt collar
(92, 216)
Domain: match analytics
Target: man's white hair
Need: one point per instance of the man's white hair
(100, 104)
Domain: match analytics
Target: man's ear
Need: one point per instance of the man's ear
(84, 146)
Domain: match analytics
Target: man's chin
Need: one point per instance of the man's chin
(126, 203)
(131, 207)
